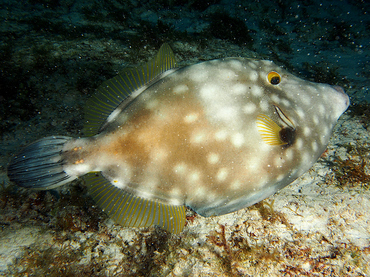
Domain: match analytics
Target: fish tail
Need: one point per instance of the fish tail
(40, 164)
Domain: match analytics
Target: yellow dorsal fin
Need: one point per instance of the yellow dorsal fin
(113, 92)
(269, 130)
(129, 210)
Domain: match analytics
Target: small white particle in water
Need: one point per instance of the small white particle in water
(213, 158)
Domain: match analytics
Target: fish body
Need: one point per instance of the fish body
(216, 136)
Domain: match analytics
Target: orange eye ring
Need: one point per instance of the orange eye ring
(273, 78)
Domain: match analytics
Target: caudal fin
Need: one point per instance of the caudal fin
(39, 165)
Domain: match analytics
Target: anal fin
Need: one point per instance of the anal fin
(130, 210)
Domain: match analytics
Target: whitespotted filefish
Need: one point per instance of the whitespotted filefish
(217, 136)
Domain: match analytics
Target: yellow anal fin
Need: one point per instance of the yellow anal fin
(114, 91)
(269, 130)
(129, 210)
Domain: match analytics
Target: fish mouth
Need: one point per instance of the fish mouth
(343, 94)
(339, 101)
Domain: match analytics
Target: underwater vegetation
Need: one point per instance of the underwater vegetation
(354, 170)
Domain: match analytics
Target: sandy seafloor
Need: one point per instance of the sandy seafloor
(55, 53)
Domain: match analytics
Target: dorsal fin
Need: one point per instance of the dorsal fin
(112, 92)
(130, 210)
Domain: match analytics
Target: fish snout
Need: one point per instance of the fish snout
(340, 100)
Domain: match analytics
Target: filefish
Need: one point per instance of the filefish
(216, 137)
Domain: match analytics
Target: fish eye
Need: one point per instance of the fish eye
(273, 78)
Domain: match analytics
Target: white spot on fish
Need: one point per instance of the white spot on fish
(299, 143)
(180, 89)
(249, 108)
(158, 154)
(198, 137)
(278, 162)
(180, 168)
(306, 131)
(208, 91)
(300, 113)
(237, 139)
(221, 135)
(256, 91)
(236, 64)
(199, 73)
(213, 158)
(239, 89)
(275, 98)
(152, 104)
(227, 74)
(235, 185)
(192, 117)
(280, 177)
(289, 154)
(253, 76)
(194, 177)
(264, 106)
(176, 192)
(227, 113)
(253, 65)
(222, 174)
(321, 109)
(285, 102)
(314, 146)
(315, 120)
